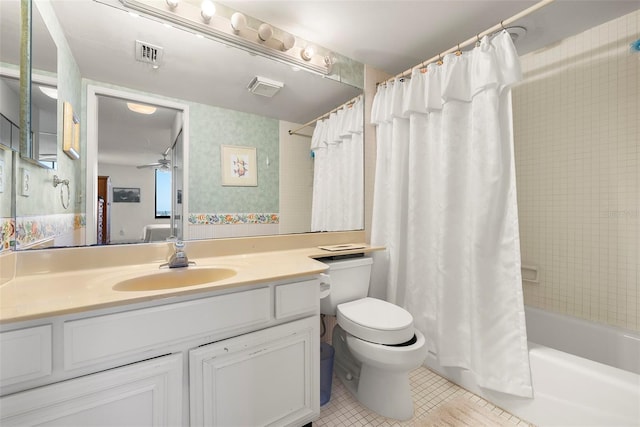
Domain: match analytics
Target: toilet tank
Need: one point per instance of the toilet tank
(349, 281)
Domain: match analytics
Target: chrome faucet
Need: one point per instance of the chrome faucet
(179, 257)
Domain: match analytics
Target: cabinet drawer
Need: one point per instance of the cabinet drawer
(25, 354)
(108, 337)
(297, 298)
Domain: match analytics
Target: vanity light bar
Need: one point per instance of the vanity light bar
(189, 17)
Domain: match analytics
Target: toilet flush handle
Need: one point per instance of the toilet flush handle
(325, 285)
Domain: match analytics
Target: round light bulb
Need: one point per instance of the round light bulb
(288, 41)
(238, 22)
(307, 53)
(265, 32)
(207, 10)
(172, 3)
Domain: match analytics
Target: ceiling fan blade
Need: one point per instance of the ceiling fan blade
(162, 163)
(149, 165)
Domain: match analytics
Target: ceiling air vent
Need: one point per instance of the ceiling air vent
(146, 52)
(264, 87)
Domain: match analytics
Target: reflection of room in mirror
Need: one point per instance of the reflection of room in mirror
(219, 110)
(239, 167)
(126, 195)
(133, 147)
(1, 175)
(70, 132)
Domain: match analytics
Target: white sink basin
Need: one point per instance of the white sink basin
(175, 278)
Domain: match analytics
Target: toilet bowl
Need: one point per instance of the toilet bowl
(375, 342)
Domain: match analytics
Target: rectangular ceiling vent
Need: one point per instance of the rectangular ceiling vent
(146, 52)
(264, 87)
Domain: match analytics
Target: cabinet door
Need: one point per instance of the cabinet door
(25, 354)
(270, 377)
(142, 394)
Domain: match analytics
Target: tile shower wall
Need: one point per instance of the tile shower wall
(577, 133)
(296, 180)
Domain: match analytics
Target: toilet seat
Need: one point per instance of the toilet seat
(376, 321)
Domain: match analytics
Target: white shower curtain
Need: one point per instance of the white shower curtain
(445, 208)
(338, 174)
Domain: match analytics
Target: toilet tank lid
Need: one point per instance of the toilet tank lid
(377, 314)
(339, 264)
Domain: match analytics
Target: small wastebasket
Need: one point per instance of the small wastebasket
(326, 372)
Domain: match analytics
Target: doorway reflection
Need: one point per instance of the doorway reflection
(135, 142)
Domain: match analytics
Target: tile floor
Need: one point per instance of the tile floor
(429, 391)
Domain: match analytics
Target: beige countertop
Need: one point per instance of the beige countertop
(34, 296)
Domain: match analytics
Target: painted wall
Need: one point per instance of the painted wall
(577, 133)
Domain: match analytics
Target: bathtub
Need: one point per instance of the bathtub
(583, 373)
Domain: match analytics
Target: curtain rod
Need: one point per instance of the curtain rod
(351, 101)
(473, 39)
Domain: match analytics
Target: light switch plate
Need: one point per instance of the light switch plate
(26, 182)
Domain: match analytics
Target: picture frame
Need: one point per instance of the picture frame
(238, 166)
(126, 195)
(70, 132)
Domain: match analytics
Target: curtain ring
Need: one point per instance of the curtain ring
(478, 40)
(502, 25)
(440, 61)
(458, 52)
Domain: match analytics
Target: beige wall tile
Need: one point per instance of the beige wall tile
(577, 152)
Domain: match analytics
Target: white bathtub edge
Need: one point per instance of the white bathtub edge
(568, 391)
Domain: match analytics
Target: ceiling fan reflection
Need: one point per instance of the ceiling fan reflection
(163, 164)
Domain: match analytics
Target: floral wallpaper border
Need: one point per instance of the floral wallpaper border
(233, 218)
(7, 234)
(34, 229)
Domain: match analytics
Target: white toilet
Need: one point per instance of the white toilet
(376, 345)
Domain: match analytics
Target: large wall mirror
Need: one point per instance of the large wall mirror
(153, 138)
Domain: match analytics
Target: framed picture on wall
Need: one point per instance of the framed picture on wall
(239, 166)
(70, 132)
(126, 195)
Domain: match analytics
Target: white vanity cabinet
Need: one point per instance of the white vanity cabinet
(260, 378)
(248, 356)
(142, 394)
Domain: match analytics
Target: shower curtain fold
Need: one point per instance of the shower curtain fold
(445, 209)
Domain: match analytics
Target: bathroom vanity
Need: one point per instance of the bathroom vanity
(242, 357)
(240, 351)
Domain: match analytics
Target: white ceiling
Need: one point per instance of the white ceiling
(386, 34)
(129, 138)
